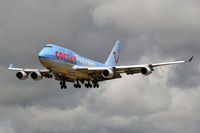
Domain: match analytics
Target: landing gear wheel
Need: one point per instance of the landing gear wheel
(63, 85)
(51, 76)
(90, 85)
(94, 85)
(86, 85)
(75, 86)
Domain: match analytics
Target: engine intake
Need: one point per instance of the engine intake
(36, 76)
(146, 71)
(21, 75)
(107, 73)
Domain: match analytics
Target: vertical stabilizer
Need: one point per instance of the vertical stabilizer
(114, 55)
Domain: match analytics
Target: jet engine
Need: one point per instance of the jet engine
(146, 71)
(21, 75)
(107, 73)
(36, 76)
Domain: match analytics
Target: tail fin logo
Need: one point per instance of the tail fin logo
(116, 57)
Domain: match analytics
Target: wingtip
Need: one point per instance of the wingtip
(118, 41)
(10, 66)
(191, 59)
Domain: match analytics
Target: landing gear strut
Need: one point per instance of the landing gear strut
(63, 85)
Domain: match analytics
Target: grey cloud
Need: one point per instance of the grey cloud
(150, 31)
(132, 108)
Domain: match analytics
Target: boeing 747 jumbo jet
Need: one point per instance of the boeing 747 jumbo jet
(67, 66)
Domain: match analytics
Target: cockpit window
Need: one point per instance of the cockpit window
(48, 46)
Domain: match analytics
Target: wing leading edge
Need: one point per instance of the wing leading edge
(27, 70)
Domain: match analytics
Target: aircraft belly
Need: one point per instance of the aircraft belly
(56, 65)
(80, 75)
(64, 68)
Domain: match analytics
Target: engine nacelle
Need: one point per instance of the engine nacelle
(146, 71)
(21, 75)
(36, 76)
(107, 73)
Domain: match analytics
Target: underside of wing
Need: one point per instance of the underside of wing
(99, 73)
(133, 69)
(36, 74)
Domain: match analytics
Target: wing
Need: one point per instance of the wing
(146, 69)
(137, 68)
(44, 72)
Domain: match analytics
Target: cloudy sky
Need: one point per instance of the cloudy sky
(150, 31)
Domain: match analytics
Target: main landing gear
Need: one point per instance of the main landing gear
(63, 85)
(89, 85)
(77, 85)
(94, 84)
(49, 76)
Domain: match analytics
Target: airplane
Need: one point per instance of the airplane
(67, 66)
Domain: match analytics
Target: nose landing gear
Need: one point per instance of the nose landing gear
(50, 76)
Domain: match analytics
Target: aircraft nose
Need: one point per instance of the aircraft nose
(41, 53)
